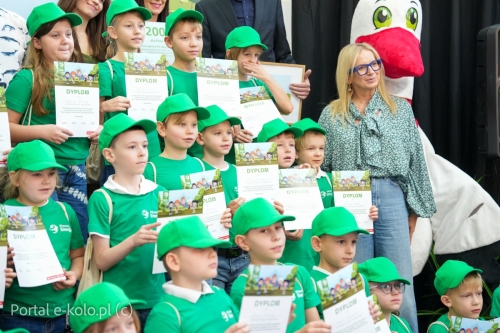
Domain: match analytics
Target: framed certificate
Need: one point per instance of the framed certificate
(284, 75)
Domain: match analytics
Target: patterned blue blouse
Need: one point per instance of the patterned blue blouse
(386, 144)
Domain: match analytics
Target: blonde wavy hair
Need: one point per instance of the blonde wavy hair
(346, 61)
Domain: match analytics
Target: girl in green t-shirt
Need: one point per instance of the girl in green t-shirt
(31, 102)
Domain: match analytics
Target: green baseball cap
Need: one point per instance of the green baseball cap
(180, 103)
(188, 232)
(243, 37)
(256, 213)
(451, 274)
(276, 127)
(380, 270)
(122, 6)
(32, 156)
(307, 124)
(180, 14)
(120, 123)
(217, 116)
(16, 330)
(335, 221)
(46, 13)
(98, 303)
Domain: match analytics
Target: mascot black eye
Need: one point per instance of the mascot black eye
(412, 19)
(382, 17)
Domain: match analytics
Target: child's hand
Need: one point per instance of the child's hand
(145, 235)
(244, 136)
(279, 207)
(257, 71)
(10, 257)
(94, 137)
(238, 328)
(116, 104)
(68, 283)
(301, 90)
(373, 213)
(295, 235)
(10, 275)
(412, 224)
(374, 311)
(304, 166)
(56, 134)
(5, 154)
(226, 218)
(235, 204)
(292, 313)
(317, 326)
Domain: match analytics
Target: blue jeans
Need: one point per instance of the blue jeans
(143, 317)
(73, 191)
(229, 269)
(32, 324)
(391, 239)
(107, 171)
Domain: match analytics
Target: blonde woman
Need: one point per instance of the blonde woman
(368, 129)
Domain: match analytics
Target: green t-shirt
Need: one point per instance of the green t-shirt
(89, 59)
(437, 326)
(114, 86)
(184, 82)
(495, 303)
(130, 212)
(326, 190)
(300, 252)
(400, 325)
(211, 313)
(65, 235)
(169, 172)
(73, 151)
(304, 296)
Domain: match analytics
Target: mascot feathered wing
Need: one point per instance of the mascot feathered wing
(467, 217)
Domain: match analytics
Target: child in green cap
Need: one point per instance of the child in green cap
(189, 304)
(103, 308)
(126, 33)
(460, 287)
(123, 213)
(258, 227)
(388, 286)
(31, 104)
(32, 179)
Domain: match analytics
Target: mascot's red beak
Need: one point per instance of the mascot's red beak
(399, 50)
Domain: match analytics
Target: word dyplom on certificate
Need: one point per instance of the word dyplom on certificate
(214, 201)
(175, 205)
(256, 108)
(4, 223)
(218, 84)
(300, 196)
(257, 170)
(154, 41)
(344, 301)
(146, 81)
(351, 189)
(77, 97)
(268, 297)
(36, 261)
(4, 126)
(381, 326)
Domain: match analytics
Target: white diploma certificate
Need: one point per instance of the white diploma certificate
(76, 88)
(256, 109)
(146, 81)
(36, 261)
(175, 205)
(268, 297)
(218, 84)
(214, 201)
(4, 224)
(344, 301)
(381, 326)
(300, 196)
(351, 189)
(257, 170)
(5, 143)
(154, 41)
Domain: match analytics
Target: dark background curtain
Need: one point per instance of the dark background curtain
(444, 99)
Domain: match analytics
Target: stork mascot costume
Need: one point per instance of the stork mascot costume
(467, 217)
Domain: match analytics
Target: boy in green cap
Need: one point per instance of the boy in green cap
(258, 227)
(189, 304)
(124, 211)
(104, 307)
(216, 139)
(388, 286)
(460, 287)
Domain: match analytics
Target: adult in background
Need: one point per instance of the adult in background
(159, 9)
(265, 16)
(88, 40)
(368, 129)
